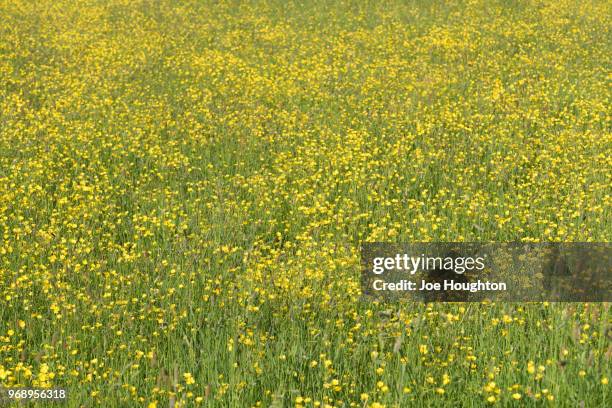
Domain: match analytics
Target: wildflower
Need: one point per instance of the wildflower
(188, 378)
(445, 379)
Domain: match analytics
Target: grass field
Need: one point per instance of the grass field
(184, 186)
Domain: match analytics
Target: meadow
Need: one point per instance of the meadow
(184, 187)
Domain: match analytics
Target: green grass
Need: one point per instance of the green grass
(192, 181)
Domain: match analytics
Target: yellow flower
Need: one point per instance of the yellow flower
(188, 378)
(3, 373)
(531, 367)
